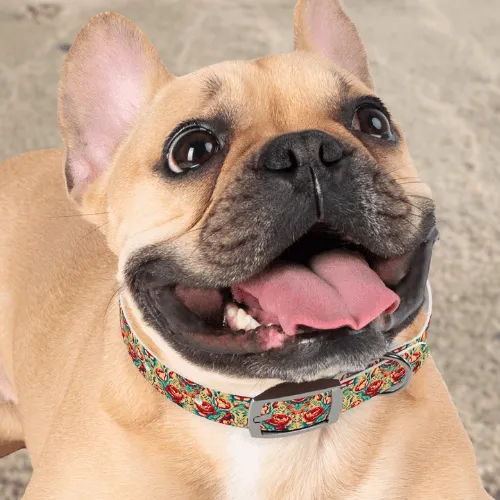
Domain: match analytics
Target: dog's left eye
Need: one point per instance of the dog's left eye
(191, 148)
(372, 121)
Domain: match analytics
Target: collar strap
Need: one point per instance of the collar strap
(287, 408)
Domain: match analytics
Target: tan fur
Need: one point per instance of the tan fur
(93, 426)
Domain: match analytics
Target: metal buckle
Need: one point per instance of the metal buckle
(405, 380)
(288, 391)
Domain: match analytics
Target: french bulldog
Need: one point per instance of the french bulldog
(257, 234)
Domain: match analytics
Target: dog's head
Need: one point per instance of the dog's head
(267, 216)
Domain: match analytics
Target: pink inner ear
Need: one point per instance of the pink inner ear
(335, 37)
(323, 30)
(104, 88)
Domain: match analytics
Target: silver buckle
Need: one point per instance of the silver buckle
(286, 392)
(408, 373)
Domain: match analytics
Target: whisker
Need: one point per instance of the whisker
(119, 289)
(93, 230)
(400, 241)
(76, 215)
(411, 224)
(393, 171)
(413, 182)
(412, 205)
(179, 236)
(400, 178)
(418, 196)
(420, 216)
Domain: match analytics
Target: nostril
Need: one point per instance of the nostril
(330, 153)
(289, 153)
(282, 159)
(292, 161)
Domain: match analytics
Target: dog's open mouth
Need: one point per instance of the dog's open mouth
(323, 285)
(332, 289)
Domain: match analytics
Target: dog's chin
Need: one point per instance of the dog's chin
(326, 305)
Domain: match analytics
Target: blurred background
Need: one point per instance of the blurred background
(435, 64)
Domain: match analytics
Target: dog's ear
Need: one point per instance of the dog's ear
(321, 26)
(110, 74)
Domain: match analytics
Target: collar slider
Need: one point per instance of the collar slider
(289, 391)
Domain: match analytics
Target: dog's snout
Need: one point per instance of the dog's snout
(309, 148)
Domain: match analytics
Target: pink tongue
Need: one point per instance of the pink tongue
(337, 289)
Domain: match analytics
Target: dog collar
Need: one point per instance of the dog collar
(287, 408)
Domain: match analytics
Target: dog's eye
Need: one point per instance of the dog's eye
(372, 121)
(191, 148)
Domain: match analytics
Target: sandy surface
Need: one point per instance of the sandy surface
(436, 64)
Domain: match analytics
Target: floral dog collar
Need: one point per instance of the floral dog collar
(287, 408)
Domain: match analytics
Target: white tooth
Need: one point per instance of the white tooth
(270, 324)
(231, 310)
(242, 320)
(253, 323)
(239, 319)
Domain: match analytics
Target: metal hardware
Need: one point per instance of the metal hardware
(286, 392)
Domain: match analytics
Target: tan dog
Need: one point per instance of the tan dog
(243, 182)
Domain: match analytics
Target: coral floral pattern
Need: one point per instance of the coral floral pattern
(289, 415)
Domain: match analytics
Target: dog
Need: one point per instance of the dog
(217, 259)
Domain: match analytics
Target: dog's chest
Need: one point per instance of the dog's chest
(273, 469)
(245, 466)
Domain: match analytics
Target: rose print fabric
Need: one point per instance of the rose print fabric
(230, 409)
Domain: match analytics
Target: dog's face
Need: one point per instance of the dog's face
(267, 216)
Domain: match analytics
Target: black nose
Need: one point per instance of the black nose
(301, 149)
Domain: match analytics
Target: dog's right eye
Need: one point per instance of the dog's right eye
(191, 148)
(372, 121)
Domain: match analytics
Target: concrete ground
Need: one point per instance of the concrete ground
(435, 63)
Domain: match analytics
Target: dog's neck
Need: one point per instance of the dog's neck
(230, 459)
